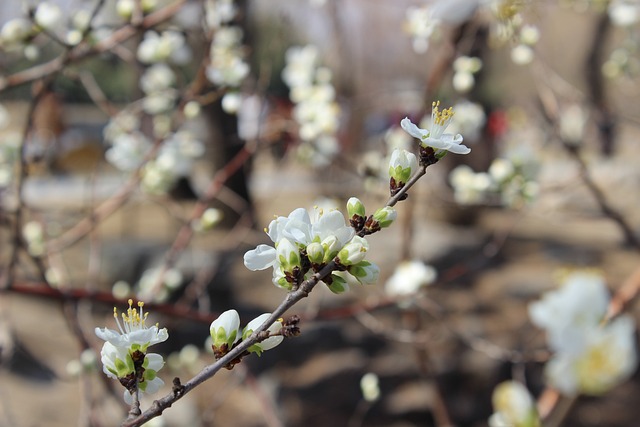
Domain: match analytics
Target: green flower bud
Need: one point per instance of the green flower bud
(315, 252)
(354, 251)
(288, 255)
(385, 216)
(338, 284)
(366, 272)
(355, 207)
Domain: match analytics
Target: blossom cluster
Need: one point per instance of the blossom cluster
(227, 66)
(316, 111)
(130, 147)
(590, 356)
(125, 355)
(305, 244)
(506, 183)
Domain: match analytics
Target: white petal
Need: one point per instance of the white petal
(263, 256)
(412, 129)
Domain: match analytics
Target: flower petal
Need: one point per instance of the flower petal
(412, 129)
(260, 258)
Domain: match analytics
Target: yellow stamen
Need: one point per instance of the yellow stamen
(441, 118)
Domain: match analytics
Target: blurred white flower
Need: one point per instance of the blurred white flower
(522, 54)
(409, 277)
(581, 302)
(15, 33)
(469, 120)
(573, 120)
(128, 150)
(513, 406)
(171, 279)
(501, 170)
(529, 34)
(464, 69)
(300, 65)
(624, 13)
(469, 187)
(156, 78)
(231, 102)
(421, 25)
(227, 66)
(168, 46)
(174, 160)
(370, 387)
(125, 8)
(590, 357)
(596, 359)
(316, 110)
(33, 233)
(219, 12)
(48, 16)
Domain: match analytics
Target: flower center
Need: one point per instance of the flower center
(439, 119)
(133, 320)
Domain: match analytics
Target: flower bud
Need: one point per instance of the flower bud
(338, 284)
(354, 251)
(331, 246)
(365, 271)
(402, 165)
(225, 330)
(355, 207)
(288, 255)
(315, 252)
(268, 343)
(385, 216)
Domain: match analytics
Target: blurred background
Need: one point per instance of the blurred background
(144, 146)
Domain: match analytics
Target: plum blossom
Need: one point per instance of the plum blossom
(304, 244)
(132, 332)
(409, 277)
(435, 137)
(590, 357)
(124, 354)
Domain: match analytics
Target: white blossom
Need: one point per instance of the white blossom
(133, 333)
(435, 137)
(590, 357)
(409, 277)
(48, 15)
